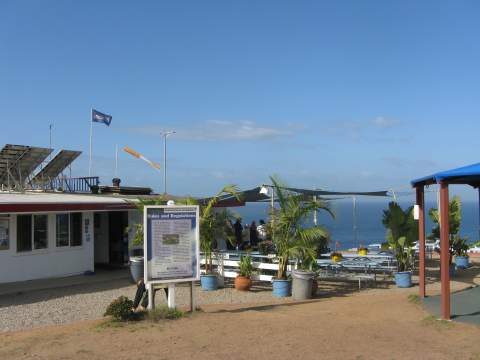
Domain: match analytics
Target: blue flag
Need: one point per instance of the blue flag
(97, 116)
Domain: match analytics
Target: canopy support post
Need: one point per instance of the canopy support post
(444, 251)
(421, 240)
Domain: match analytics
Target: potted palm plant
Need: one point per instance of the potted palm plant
(243, 281)
(459, 249)
(212, 223)
(293, 240)
(401, 234)
(454, 221)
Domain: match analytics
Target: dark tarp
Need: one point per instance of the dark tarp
(253, 195)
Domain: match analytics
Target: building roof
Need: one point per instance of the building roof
(14, 202)
(469, 175)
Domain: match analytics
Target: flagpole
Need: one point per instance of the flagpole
(91, 133)
(116, 161)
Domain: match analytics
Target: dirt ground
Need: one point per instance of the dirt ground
(372, 324)
(342, 323)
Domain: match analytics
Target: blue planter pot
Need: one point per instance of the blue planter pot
(403, 279)
(209, 282)
(452, 269)
(462, 262)
(282, 288)
(136, 268)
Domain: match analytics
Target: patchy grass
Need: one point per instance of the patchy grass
(414, 299)
(139, 319)
(163, 313)
(432, 320)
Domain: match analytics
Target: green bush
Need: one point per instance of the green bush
(120, 309)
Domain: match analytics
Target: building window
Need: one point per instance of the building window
(76, 229)
(62, 230)
(4, 233)
(24, 233)
(69, 229)
(40, 231)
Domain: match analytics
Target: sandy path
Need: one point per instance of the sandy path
(373, 324)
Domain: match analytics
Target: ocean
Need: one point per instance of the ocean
(370, 229)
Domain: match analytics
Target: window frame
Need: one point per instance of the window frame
(69, 223)
(32, 235)
(5, 219)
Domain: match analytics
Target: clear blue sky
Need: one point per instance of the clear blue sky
(340, 95)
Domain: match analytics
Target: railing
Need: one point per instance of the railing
(228, 265)
(265, 266)
(76, 184)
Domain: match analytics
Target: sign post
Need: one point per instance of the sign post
(172, 248)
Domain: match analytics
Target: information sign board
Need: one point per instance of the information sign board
(171, 243)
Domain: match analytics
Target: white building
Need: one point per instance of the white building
(44, 235)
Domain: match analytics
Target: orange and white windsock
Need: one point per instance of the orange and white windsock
(140, 156)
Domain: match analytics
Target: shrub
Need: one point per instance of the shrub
(120, 309)
(266, 247)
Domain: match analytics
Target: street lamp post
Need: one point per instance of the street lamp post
(165, 135)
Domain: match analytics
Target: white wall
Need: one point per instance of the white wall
(50, 262)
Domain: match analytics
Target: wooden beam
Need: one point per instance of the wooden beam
(444, 251)
(421, 239)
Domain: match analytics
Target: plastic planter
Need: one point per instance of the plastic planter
(282, 288)
(302, 284)
(462, 262)
(452, 269)
(209, 282)
(403, 279)
(363, 252)
(136, 268)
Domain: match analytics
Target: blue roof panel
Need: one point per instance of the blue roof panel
(472, 171)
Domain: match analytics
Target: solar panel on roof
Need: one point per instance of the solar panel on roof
(20, 161)
(56, 166)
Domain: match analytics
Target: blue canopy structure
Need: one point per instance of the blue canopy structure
(469, 175)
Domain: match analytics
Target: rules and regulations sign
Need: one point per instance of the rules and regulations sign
(171, 243)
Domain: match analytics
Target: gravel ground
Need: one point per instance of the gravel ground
(88, 301)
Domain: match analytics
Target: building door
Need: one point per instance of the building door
(118, 240)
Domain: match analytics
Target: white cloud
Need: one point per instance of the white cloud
(220, 130)
(384, 123)
(377, 129)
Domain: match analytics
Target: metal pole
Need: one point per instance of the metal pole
(355, 237)
(90, 157)
(116, 161)
(315, 212)
(479, 213)
(165, 163)
(50, 140)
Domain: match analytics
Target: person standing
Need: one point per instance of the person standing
(238, 228)
(262, 231)
(253, 234)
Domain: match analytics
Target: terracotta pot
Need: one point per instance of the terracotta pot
(243, 283)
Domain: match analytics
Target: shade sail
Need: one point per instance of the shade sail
(469, 175)
(254, 195)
